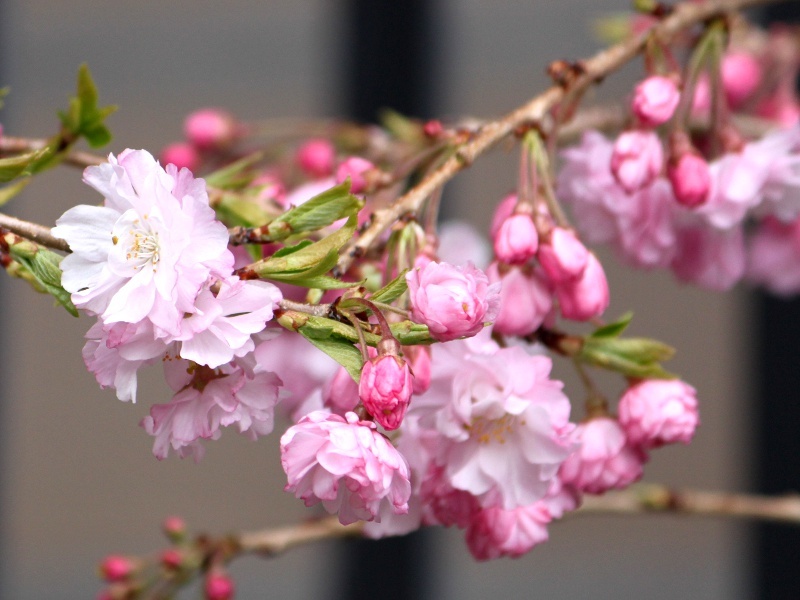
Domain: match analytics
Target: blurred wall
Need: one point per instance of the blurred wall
(79, 480)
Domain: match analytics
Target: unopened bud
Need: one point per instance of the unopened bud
(182, 155)
(741, 76)
(688, 172)
(174, 528)
(219, 586)
(517, 240)
(316, 158)
(637, 159)
(355, 168)
(586, 297)
(562, 255)
(655, 100)
(172, 559)
(385, 389)
(116, 568)
(210, 129)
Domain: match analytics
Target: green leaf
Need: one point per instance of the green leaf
(43, 265)
(3, 93)
(320, 211)
(633, 357)
(343, 352)
(614, 329)
(236, 211)
(392, 290)
(14, 166)
(235, 175)
(84, 117)
(8, 192)
(287, 250)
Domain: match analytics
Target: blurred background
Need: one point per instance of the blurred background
(77, 477)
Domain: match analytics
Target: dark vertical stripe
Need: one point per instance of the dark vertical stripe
(777, 547)
(390, 62)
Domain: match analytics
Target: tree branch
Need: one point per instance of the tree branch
(584, 74)
(34, 232)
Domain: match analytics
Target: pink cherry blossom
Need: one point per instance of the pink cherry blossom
(525, 299)
(385, 389)
(495, 532)
(516, 241)
(502, 212)
(419, 359)
(637, 159)
(605, 460)
(562, 255)
(452, 301)
(149, 249)
(655, 100)
(503, 423)
(355, 168)
(690, 177)
(741, 76)
(586, 297)
(345, 464)
(655, 412)
(708, 257)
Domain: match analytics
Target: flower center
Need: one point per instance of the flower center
(142, 243)
(487, 431)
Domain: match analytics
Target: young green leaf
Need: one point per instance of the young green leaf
(392, 290)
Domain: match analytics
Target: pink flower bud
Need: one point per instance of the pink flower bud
(182, 155)
(741, 76)
(604, 461)
(690, 179)
(116, 568)
(586, 297)
(452, 301)
(354, 167)
(172, 559)
(655, 100)
(210, 129)
(385, 389)
(219, 587)
(516, 241)
(562, 255)
(433, 128)
(341, 392)
(419, 359)
(316, 158)
(655, 412)
(503, 211)
(637, 159)
(174, 527)
(525, 300)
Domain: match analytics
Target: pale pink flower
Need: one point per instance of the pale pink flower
(708, 257)
(647, 230)
(385, 389)
(223, 323)
(655, 100)
(586, 297)
(741, 76)
(316, 157)
(637, 159)
(206, 400)
(737, 184)
(525, 299)
(211, 129)
(452, 301)
(147, 252)
(655, 412)
(516, 241)
(345, 464)
(774, 256)
(340, 394)
(604, 461)
(562, 255)
(460, 244)
(503, 424)
(355, 168)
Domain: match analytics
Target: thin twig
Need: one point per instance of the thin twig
(76, 158)
(34, 232)
(587, 72)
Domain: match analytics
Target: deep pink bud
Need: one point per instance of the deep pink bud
(516, 241)
(433, 128)
(452, 301)
(385, 389)
(219, 587)
(655, 100)
(655, 412)
(210, 129)
(637, 159)
(116, 568)
(525, 300)
(354, 167)
(562, 255)
(586, 297)
(181, 155)
(741, 76)
(172, 559)
(316, 158)
(690, 179)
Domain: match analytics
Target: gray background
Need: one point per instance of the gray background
(78, 478)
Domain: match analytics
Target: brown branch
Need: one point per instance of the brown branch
(276, 541)
(583, 75)
(34, 232)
